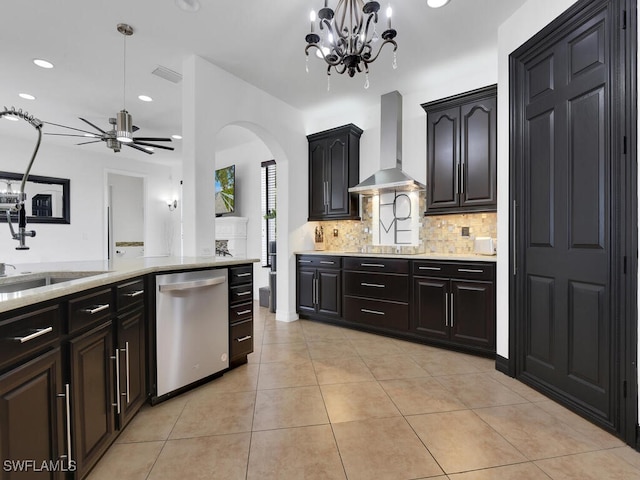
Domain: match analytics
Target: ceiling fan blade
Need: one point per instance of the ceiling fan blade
(152, 145)
(138, 148)
(152, 139)
(87, 121)
(72, 135)
(85, 143)
(134, 128)
(70, 128)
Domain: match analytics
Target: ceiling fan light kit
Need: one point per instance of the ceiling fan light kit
(347, 36)
(122, 127)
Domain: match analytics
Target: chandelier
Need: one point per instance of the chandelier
(347, 36)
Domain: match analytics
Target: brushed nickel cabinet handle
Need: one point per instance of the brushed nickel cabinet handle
(446, 306)
(243, 274)
(126, 359)
(95, 309)
(452, 314)
(242, 294)
(134, 294)
(437, 269)
(379, 265)
(67, 401)
(375, 312)
(470, 270)
(116, 357)
(243, 339)
(364, 284)
(325, 262)
(243, 312)
(37, 333)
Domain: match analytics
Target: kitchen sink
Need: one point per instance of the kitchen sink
(23, 282)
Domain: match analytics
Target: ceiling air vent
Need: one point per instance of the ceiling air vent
(167, 74)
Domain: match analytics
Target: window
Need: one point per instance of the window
(268, 195)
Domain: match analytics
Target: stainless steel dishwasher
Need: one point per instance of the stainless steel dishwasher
(192, 327)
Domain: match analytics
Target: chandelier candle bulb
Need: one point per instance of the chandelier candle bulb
(312, 17)
(389, 12)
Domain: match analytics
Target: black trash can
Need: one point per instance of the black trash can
(271, 252)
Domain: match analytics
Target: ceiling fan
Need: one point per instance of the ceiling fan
(122, 128)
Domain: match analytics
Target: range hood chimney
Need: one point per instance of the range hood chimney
(390, 177)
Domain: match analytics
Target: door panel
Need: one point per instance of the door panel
(338, 176)
(472, 313)
(317, 178)
(305, 289)
(565, 295)
(329, 292)
(444, 156)
(431, 307)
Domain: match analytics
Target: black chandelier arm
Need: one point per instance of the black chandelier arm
(373, 59)
(337, 61)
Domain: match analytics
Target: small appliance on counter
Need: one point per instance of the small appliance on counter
(484, 246)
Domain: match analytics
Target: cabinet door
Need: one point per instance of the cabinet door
(443, 157)
(33, 424)
(317, 179)
(337, 172)
(478, 153)
(306, 290)
(472, 315)
(329, 292)
(131, 348)
(92, 395)
(431, 307)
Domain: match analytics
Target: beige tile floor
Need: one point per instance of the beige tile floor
(322, 402)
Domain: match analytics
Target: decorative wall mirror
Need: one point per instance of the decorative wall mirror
(48, 198)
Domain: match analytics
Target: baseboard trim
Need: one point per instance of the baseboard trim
(503, 365)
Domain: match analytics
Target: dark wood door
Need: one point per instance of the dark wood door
(131, 347)
(329, 292)
(564, 203)
(472, 316)
(92, 395)
(33, 422)
(337, 174)
(317, 178)
(443, 157)
(431, 307)
(306, 290)
(478, 123)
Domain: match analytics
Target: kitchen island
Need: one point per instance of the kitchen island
(78, 350)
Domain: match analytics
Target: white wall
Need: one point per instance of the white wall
(85, 237)
(247, 158)
(213, 99)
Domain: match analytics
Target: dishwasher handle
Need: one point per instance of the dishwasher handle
(207, 282)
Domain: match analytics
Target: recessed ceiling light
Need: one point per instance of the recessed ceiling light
(145, 98)
(42, 63)
(26, 96)
(10, 117)
(176, 137)
(188, 5)
(437, 3)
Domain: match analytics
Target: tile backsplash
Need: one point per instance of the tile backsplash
(438, 233)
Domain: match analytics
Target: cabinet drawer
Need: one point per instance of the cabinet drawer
(377, 285)
(26, 334)
(471, 270)
(323, 261)
(130, 294)
(377, 313)
(241, 293)
(239, 275)
(240, 312)
(90, 309)
(241, 339)
(377, 265)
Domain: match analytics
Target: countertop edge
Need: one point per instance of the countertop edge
(114, 272)
(463, 257)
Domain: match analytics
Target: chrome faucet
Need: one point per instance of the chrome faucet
(3, 268)
(14, 202)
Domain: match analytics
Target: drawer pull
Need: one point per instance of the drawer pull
(134, 294)
(243, 274)
(379, 265)
(242, 294)
(325, 262)
(243, 339)
(375, 312)
(37, 333)
(243, 312)
(304, 261)
(470, 270)
(96, 309)
(437, 269)
(377, 285)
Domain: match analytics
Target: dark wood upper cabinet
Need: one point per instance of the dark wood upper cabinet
(461, 152)
(334, 166)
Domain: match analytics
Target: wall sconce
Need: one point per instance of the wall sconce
(172, 204)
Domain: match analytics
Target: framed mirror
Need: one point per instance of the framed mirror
(48, 198)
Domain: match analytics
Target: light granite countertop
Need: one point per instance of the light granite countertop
(465, 257)
(98, 273)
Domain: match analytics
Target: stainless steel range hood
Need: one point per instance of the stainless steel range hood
(390, 177)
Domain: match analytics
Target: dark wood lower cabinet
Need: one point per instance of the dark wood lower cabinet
(92, 358)
(473, 313)
(32, 417)
(431, 307)
(131, 387)
(319, 286)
